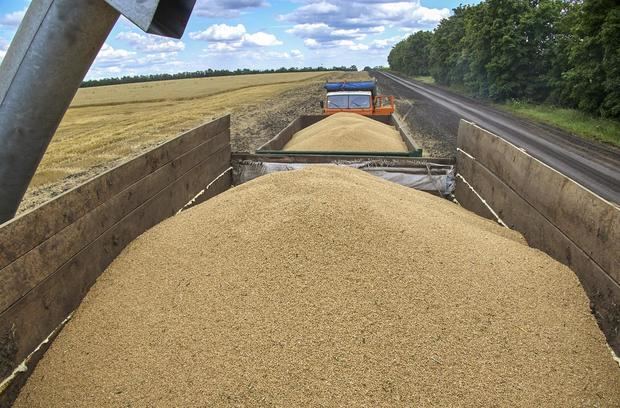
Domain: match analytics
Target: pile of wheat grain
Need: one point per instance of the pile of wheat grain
(347, 132)
(328, 287)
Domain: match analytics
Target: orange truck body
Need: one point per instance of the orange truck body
(356, 97)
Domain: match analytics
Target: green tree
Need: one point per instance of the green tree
(509, 46)
(411, 56)
(610, 38)
(396, 57)
(447, 63)
(540, 28)
(566, 52)
(592, 81)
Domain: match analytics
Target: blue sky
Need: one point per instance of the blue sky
(259, 34)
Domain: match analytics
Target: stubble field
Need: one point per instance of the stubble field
(108, 125)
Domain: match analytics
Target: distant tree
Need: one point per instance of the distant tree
(566, 52)
(610, 41)
(205, 73)
(396, 58)
(507, 45)
(367, 68)
(592, 81)
(411, 56)
(447, 58)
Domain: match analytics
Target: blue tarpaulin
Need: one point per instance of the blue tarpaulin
(350, 86)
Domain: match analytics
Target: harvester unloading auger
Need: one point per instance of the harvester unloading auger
(59, 40)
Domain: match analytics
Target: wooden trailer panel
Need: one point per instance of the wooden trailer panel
(554, 213)
(54, 253)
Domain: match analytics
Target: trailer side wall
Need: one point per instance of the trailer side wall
(50, 256)
(554, 213)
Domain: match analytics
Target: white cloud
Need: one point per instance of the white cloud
(223, 38)
(342, 25)
(321, 31)
(264, 57)
(262, 39)
(321, 35)
(412, 11)
(13, 19)
(358, 47)
(109, 56)
(385, 42)
(409, 30)
(147, 53)
(376, 30)
(4, 46)
(220, 32)
(109, 52)
(379, 46)
(226, 8)
(151, 43)
(277, 54)
(319, 8)
(348, 19)
(314, 44)
(222, 47)
(311, 43)
(147, 65)
(115, 61)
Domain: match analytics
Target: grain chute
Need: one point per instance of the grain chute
(51, 53)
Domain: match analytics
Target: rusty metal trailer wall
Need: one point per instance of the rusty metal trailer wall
(50, 256)
(554, 213)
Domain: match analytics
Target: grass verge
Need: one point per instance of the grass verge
(425, 79)
(571, 120)
(576, 122)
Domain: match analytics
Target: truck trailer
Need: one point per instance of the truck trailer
(52, 255)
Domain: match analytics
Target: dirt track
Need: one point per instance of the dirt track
(436, 113)
(253, 125)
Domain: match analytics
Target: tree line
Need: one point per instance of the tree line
(562, 52)
(204, 74)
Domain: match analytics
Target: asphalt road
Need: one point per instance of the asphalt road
(593, 165)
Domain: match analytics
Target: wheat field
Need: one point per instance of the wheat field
(110, 123)
(181, 89)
